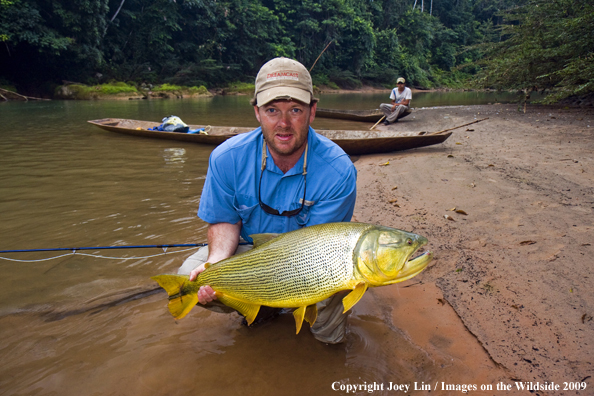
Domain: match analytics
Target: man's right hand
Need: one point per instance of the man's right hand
(223, 239)
(205, 294)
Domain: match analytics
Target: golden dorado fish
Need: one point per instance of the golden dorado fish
(300, 268)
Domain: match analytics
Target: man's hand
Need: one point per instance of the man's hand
(223, 239)
(196, 271)
(205, 294)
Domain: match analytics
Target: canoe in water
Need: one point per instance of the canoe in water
(354, 115)
(352, 142)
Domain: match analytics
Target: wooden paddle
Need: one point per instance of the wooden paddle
(449, 129)
(381, 119)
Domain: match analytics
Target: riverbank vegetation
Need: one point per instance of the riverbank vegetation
(222, 44)
(127, 90)
(548, 46)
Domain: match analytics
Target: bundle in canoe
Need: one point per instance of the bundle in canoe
(352, 142)
(354, 115)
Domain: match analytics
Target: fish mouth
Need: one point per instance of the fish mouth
(414, 266)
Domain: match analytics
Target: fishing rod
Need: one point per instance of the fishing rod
(74, 249)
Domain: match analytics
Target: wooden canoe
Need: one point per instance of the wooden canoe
(352, 142)
(354, 115)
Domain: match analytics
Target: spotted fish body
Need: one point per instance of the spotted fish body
(302, 276)
(300, 268)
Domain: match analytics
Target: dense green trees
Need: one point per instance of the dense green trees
(548, 44)
(216, 42)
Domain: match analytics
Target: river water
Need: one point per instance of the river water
(81, 324)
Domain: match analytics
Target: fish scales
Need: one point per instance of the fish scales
(296, 274)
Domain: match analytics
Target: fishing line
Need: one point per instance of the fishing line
(164, 247)
(192, 246)
(97, 256)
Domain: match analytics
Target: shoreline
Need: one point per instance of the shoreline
(65, 93)
(516, 269)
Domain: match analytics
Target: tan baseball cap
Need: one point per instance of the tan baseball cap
(283, 78)
(400, 80)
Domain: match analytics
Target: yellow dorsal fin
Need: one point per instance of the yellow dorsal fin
(311, 314)
(353, 297)
(250, 311)
(299, 314)
(261, 239)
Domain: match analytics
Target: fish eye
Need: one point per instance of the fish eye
(409, 241)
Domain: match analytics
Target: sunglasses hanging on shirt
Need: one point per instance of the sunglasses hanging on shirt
(272, 211)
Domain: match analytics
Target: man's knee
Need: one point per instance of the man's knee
(331, 324)
(194, 261)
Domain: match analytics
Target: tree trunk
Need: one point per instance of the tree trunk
(113, 17)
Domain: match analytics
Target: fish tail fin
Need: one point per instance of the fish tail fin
(180, 303)
(171, 283)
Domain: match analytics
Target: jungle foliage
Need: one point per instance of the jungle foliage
(548, 45)
(215, 43)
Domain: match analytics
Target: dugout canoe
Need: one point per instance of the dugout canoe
(354, 115)
(352, 142)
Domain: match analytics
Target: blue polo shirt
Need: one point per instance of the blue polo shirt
(230, 192)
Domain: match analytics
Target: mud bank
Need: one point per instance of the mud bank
(517, 268)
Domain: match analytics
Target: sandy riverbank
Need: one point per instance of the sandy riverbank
(517, 269)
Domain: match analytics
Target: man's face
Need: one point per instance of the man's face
(400, 86)
(285, 124)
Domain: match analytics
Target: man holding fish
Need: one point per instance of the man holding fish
(307, 256)
(278, 178)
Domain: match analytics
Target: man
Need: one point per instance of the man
(400, 106)
(277, 178)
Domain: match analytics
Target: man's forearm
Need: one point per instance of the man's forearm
(223, 239)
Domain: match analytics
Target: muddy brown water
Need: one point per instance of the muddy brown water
(81, 324)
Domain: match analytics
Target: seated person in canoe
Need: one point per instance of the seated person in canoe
(400, 106)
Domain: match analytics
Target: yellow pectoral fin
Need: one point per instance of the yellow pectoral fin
(311, 314)
(250, 311)
(353, 297)
(299, 314)
(181, 305)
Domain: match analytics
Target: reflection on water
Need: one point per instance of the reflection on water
(174, 156)
(80, 324)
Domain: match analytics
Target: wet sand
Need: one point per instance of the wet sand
(516, 270)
